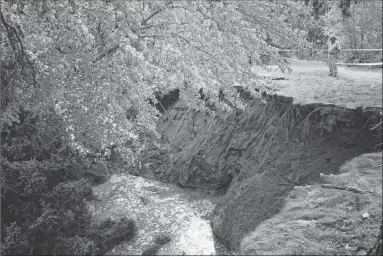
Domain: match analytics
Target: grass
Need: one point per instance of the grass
(322, 221)
(309, 83)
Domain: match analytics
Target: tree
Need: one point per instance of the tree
(96, 60)
(44, 195)
(360, 30)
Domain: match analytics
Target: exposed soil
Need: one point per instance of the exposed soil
(320, 220)
(256, 157)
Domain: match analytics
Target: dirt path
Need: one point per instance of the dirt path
(159, 209)
(309, 83)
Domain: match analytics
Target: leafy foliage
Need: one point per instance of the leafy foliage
(320, 7)
(15, 242)
(109, 233)
(159, 241)
(356, 23)
(75, 246)
(362, 29)
(43, 196)
(97, 60)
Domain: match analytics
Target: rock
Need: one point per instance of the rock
(365, 215)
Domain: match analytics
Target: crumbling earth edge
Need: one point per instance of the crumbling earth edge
(255, 157)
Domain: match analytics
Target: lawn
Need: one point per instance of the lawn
(309, 83)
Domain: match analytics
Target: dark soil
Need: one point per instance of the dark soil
(256, 156)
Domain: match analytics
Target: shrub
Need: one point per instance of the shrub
(44, 194)
(151, 251)
(75, 246)
(15, 242)
(159, 241)
(162, 240)
(108, 234)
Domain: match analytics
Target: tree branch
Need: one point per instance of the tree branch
(200, 49)
(162, 25)
(285, 36)
(144, 21)
(60, 50)
(109, 52)
(7, 28)
(13, 36)
(152, 36)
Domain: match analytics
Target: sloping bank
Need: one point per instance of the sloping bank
(255, 157)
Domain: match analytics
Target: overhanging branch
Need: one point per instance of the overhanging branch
(200, 49)
(145, 21)
(109, 52)
(17, 46)
(258, 21)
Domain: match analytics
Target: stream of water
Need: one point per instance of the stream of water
(158, 209)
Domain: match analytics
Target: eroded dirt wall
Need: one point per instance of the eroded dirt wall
(256, 156)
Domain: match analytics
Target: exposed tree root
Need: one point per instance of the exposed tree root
(183, 119)
(377, 125)
(347, 188)
(266, 153)
(312, 113)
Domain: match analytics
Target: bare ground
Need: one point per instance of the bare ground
(309, 83)
(322, 221)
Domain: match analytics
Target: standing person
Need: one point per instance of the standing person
(333, 54)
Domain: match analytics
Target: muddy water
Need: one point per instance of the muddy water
(158, 209)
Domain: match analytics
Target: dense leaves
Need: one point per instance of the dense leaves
(357, 24)
(108, 233)
(101, 64)
(82, 78)
(97, 60)
(363, 29)
(43, 196)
